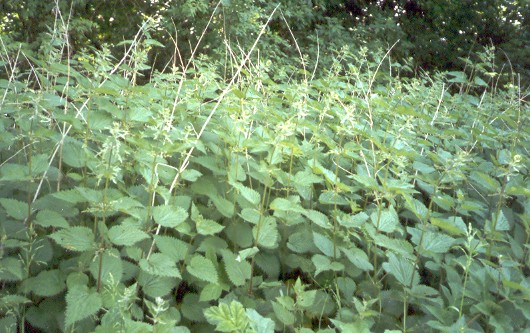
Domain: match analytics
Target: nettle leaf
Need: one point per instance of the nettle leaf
(224, 206)
(156, 286)
(317, 218)
(191, 175)
(49, 218)
(283, 314)
(210, 292)
(502, 223)
(250, 215)
(396, 245)
(204, 226)
(108, 267)
(353, 221)
(325, 245)
(75, 239)
(285, 205)
(81, 303)
(298, 243)
(70, 196)
(249, 194)
(126, 235)
(203, 269)
(11, 302)
(228, 318)
(402, 269)
(90, 195)
(485, 181)
(320, 170)
(454, 225)
(332, 198)
(160, 265)
(74, 154)
(322, 263)
(306, 298)
(417, 208)
(246, 253)
(174, 248)
(14, 208)
(208, 227)
(169, 216)
(48, 283)
(386, 221)
(125, 204)
(237, 270)
(431, 241)
(266, 233)
(359, 258)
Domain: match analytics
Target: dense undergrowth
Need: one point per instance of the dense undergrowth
(358, 201)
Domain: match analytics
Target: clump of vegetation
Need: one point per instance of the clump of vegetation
(251, 198)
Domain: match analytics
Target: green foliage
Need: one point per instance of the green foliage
(354, 201)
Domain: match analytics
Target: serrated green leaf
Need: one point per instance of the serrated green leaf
(169, 216)
(156, 286)
(266, 233)
(11, 269)
(74, 154)
(81, 303)
(249, 194)
(402, 269)
(191, 175)
(48, 283)
(237, 270)
(12, 301)
(125, 204)
(126, 235)
(90, 195)
(172, 247)
(284, 204)
(431, 241)
(359, 258)
(160, 265)
(332, 198)
(250, 215)
(246, 253)
(400, 246)
(298, 241)
(71, 196)
(317, 218)
(14, 208)
(284, 315)
(75, 239)
(108, 267)
(502, 223)
(322, 263)
(227, 318)
(207, 227)
(485, 181)
(454, 225)
(423, 168)
(211, 292)
(225, 207)
(325, 245)
(423, 291)
(203, 269)
(306, 298)
(353, 221)
(385, 221)
(49, 218)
